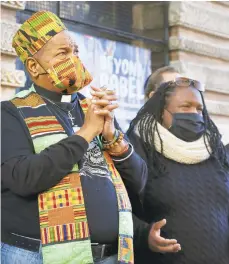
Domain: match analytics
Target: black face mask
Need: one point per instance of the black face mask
(187, 126)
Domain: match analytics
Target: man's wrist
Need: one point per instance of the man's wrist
(116, 140)
(119, 150)
(86, 133)
(109, 136)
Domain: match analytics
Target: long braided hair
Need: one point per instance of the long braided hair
(147, 127)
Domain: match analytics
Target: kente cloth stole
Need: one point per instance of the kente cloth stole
(64, 228)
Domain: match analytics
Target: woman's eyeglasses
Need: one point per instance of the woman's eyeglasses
(186, 82)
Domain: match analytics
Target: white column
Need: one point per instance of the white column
(10, 77)
(199, 48)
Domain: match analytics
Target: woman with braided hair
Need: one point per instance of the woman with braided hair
(187, 192)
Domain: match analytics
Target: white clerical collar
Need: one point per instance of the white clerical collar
(55, 97)
(66, 98)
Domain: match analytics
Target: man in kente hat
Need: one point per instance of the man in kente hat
(63, 160)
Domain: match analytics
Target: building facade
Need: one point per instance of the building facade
(191, 36)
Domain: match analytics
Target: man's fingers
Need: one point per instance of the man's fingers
(111, 107)
(88, 101)
(159, 225)
(103, 88)
(96, 88)
(101, 102)
(106, 111)
(106, 97)
(112, 97)
(169, 249)
(104, 101)
(100, 93)
(99, 89)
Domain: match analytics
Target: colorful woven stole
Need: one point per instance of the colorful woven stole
(63, 221)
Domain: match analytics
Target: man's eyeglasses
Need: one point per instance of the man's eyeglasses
(186, 82)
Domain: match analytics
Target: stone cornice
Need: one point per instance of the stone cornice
(18, 5)
(225, 3)
(191, 14)
(198, 47)
(215, 78)
(12, 78)
(217, 108)
(7, 32)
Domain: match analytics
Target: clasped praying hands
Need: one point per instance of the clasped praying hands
(102, 103)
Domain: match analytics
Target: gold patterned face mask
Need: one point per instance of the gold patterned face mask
(69, 74)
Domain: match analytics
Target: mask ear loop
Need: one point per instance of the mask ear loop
(171, 115)
(43, 73)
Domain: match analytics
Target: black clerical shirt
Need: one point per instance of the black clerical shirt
(26, 174)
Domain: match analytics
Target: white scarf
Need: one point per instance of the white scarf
(179, 150)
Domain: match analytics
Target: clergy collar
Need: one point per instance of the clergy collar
(55, 97)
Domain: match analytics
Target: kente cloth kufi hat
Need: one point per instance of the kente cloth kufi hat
(35, 32)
